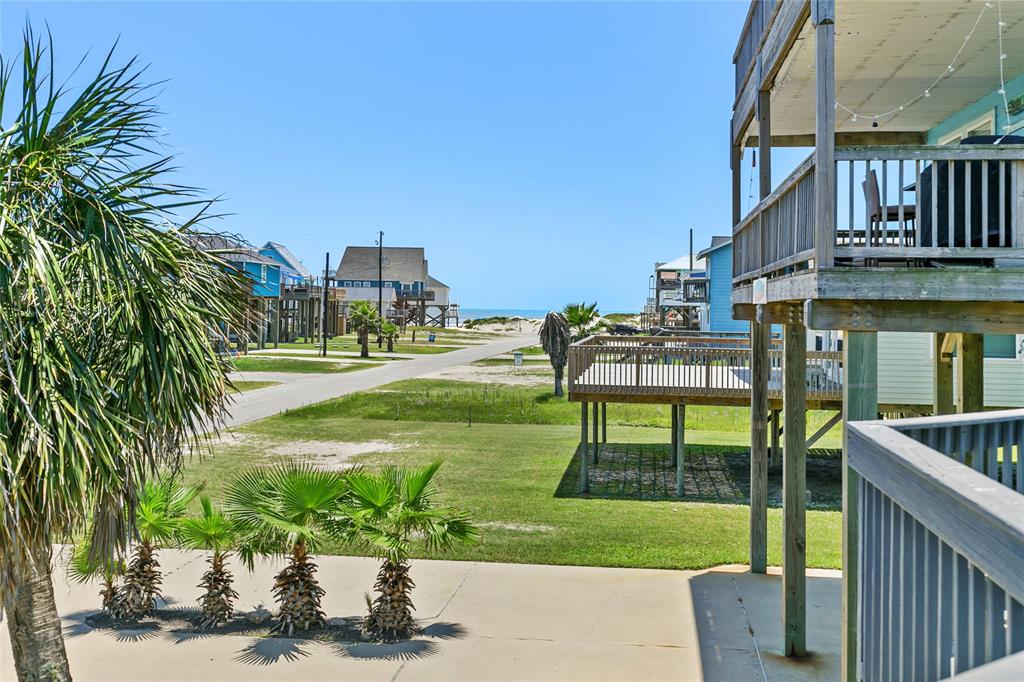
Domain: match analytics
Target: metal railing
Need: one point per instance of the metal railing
(941, 543)
(689, 366)
(957, 204)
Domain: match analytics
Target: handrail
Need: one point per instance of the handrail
(941, 544)
(806, 166)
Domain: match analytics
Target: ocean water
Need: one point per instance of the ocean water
(477, 313)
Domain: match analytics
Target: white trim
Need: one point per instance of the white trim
(960, 133)
(263, 273)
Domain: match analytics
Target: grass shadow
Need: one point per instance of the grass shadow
(712, 473)
(399, 651)
(270, 650)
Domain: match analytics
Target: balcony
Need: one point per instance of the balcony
(896, 209)
(940, 530)
(412, 295)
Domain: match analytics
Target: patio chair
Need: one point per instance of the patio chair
(878, 232)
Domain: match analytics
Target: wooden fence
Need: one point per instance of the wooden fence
(941, 545)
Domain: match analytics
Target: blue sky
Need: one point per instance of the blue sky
(541, 152)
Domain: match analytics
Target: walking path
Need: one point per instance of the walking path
(315, 388)
(482, 621)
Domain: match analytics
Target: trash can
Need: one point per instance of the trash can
(432, 337)
(517, 359)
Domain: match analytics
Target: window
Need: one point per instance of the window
(1000, 346)
(366, 284)
(263, 274)
(983, 125)
(348, 283)
(357, 284)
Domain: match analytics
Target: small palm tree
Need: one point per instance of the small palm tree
(555, 338)
(288, 509)
(582, 318)
(364, 320)
(214, 532)
(389, 330)
(385, 511)
(88, 564)
(160, 509)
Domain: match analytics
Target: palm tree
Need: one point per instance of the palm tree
(214, 532)
(108, 324)
(555, 338)
(385, 511)
(289, 508)
(582, 318)
(85, 566)
(389, 330)
(161, 507)
(364, 319)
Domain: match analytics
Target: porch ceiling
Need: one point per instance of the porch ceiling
(888, 52)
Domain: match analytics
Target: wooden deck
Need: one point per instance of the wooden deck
(694, 370)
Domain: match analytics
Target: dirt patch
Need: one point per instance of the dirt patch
(330, 454)
(518, 527)
(510, 376)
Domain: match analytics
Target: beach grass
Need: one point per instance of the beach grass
(243, 386)
(266, 363)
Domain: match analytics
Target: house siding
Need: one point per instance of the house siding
(905, 372)
(269, 289)
(719, 269)
(993, 101)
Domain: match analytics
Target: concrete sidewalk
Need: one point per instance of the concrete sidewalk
(315, 388)
(482, 622)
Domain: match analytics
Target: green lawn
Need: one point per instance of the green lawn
(243, 386)
(518, 479)
(508, 362)
(375, 356)
(264, 363)
(531, 350)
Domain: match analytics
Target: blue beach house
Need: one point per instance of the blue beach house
(718, 266)
(292, 269)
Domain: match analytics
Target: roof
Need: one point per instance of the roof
(681, 263)
(716, 243)
(289, 258)
(247, 256)
(401, 263)
(435, 283)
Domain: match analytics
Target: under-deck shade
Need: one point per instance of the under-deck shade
(885, 54)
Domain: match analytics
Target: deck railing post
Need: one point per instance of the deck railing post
(860, 402)
(970, 373)
(823, 19)
(584, 454)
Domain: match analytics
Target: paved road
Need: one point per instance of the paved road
(315, 388)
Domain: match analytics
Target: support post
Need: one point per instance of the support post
(604, 422)
(680, 450)
(860, 402)
(734, 162)
(595, 426)
(764, 141)
(674, 451)
(971, 373)
(277, 323)
(794, 492)
(776, 447)
(758, 447)
(584, 450)
(823, 14)
(942, 401)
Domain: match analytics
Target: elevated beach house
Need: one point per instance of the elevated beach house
(906, 216)
(679, 297)
(292, 269)
(398, 277)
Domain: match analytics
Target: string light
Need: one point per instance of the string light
(1002, 60)
(950, 68)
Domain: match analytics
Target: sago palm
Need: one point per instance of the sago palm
(109, 321)
(288, 509)
(389, 330)
(364, 320)
(554, 339)
(160, 509)
(87, 564)
(582, 318)
(214, 532)
(386, 511)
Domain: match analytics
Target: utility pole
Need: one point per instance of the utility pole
(380, 287)
(323, 311)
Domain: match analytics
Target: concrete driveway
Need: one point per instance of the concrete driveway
(482, 621)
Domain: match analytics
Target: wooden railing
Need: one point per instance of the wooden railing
(956, 204)
(688, 366)
(941, 544)
(758, 21)
(779, 232)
